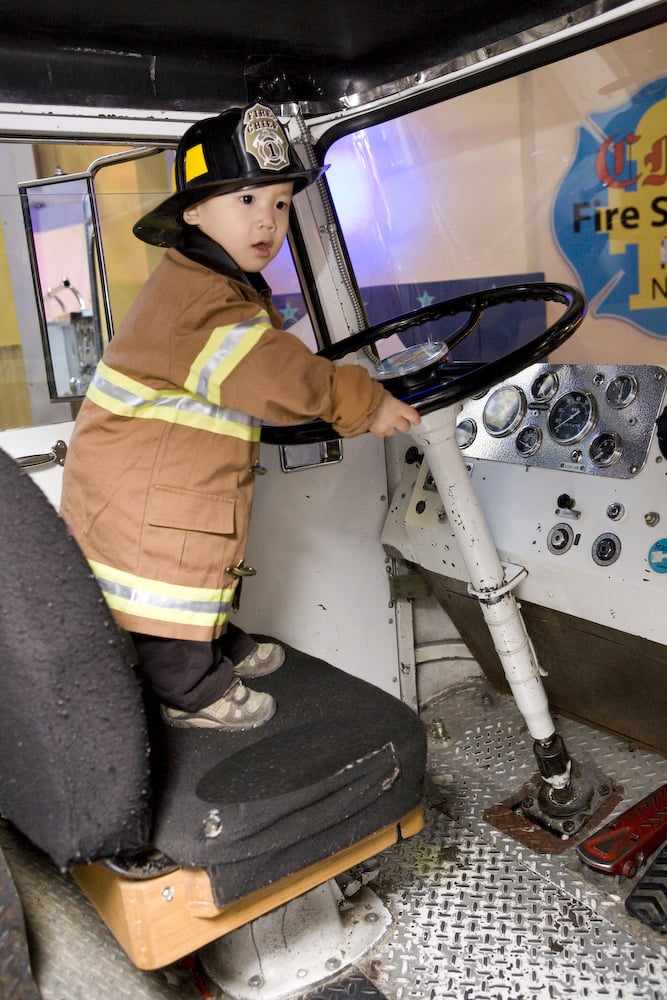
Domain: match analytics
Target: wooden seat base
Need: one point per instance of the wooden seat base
(157, 921)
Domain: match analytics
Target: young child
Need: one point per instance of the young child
(160, 471)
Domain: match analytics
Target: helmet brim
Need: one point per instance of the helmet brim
(163, 225)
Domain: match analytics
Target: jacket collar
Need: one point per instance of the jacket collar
(199, 247)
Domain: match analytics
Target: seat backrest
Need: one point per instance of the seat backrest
(74, 767)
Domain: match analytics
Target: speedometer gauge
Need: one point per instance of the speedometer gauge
(504, 410)
(572, 416)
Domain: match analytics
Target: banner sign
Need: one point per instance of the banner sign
(610, 212)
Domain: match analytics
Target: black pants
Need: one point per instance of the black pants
(189, 674)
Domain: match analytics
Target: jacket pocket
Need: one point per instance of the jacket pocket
(190, 510)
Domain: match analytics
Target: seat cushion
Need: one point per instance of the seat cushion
(339, 760)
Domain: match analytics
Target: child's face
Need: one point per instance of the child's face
(250, 225)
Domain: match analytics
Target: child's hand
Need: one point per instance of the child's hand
(393, 415)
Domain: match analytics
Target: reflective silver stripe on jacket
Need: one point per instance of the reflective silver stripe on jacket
(226, 342)
(126, 397)
(146, 598)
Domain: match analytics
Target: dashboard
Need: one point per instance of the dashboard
(589, 419)
(570, 470)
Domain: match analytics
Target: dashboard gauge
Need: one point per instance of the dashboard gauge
(528, 440)
(466, 432)
(545, 387)
(504, 410)
(572, 416)
(621, 391)
(606, 449)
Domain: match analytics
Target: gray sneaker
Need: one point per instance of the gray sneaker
(239, 708)
(266, 658)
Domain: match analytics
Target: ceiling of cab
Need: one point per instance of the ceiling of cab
(179, 56)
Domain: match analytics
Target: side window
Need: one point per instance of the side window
(70, 268)
(52, 279)
(287, 295)
(64, 254)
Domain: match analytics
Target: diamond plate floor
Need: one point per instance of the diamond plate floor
(480, 915)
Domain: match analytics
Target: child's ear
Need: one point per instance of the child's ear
(191, 215)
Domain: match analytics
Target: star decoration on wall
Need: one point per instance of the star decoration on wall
(290, 314)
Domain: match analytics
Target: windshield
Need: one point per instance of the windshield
(557, 174)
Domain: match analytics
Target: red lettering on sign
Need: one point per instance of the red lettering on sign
(657, 161)
(619, 165)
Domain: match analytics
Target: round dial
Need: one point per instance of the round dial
(621, 391)
(528, 440)
(503, 410)
(466, 432)
(545, 386)
(572, 416)
(605, 449)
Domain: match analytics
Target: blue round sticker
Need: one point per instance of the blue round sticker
(657, 556)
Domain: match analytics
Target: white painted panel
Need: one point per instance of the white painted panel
(322, 582)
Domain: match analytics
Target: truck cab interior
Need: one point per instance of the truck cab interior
(465, 793)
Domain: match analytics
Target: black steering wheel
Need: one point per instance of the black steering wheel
(439, 383)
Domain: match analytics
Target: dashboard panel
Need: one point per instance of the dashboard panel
(571, 474)
(569, 470)
(589, 419)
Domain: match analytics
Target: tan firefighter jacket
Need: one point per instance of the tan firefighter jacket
(159, 478)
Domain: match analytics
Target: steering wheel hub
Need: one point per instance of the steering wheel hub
(411, 360)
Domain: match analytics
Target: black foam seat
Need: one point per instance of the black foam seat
(87, 773)
(339, 760)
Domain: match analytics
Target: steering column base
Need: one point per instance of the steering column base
(564, 812)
